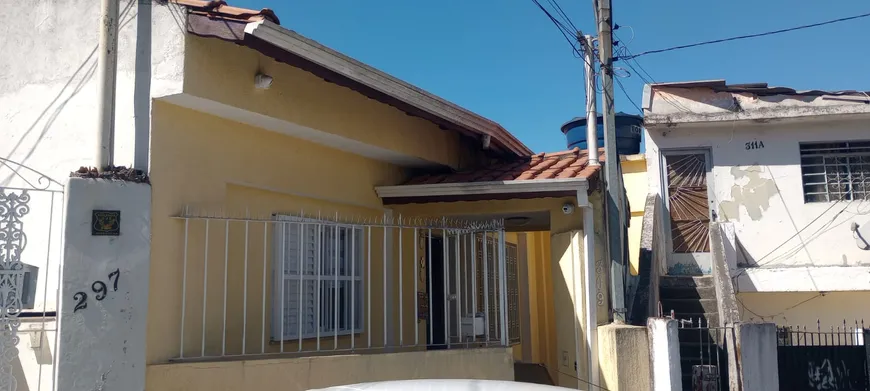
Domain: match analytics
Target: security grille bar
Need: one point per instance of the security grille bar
(299, 284)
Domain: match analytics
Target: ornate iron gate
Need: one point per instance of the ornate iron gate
(21, 190)
(822, 360)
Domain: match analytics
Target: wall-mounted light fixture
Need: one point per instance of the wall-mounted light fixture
(263, 81)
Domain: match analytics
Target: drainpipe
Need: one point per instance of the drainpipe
(107, 68)
(591, 293)
(591, 112)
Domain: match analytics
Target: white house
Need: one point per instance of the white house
(789, 171)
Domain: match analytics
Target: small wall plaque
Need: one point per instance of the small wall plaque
(105, 223)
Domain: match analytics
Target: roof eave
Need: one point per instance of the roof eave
(538, 186)
(383, 83)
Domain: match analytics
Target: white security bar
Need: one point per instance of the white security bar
(321, 287)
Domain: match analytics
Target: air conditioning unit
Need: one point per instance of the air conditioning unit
(472, 326)
(28, 288)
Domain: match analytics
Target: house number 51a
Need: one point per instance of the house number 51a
(99, 288)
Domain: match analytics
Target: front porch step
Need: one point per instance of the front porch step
(686, 282)
(689, 305)
(707, 292)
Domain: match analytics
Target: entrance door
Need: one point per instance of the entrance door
(688, 201)
(436, 332)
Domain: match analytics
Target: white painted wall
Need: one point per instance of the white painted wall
(104, 294)
(760, 191)
(47, 116)
(664, 350)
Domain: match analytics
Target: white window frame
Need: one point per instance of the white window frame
(318, 242)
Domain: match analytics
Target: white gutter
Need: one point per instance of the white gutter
(107, 69)
(579, 185)
(591, 290)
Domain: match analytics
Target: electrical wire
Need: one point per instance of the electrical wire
(558, 8)
(624, 92)
(565, 31)
(747, 36)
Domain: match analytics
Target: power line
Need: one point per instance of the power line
(562, 29)
(624, 92)
(745, 36)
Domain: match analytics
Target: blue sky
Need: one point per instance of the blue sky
(506, 61)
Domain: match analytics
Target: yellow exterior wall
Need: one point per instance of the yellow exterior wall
(208, 165)
(553, 331)
(805, 308)
(299, 374)
(305, 99)
(221, 167)
(634, 178)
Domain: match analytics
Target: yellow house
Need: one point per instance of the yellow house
(636, 187)
(317, 222)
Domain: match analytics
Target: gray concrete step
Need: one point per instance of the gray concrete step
(686, 281)
(682, 306)
(707, 292)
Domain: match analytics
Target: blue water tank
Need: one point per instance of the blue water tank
(628, 133)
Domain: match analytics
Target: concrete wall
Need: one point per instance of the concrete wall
(48, 90)
(810, 309)
(316, 372)
(756, 349)
(625, 358)
(47, 122)
(104, 295)
(760, 190)
(664, 354)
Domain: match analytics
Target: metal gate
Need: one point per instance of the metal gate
(834, 360)
(31, 220)
(703, 355)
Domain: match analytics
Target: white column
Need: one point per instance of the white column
(102, 334)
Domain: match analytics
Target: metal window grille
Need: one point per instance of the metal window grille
(512, 285)
(327, 251)
(834, 171)
(513, 292)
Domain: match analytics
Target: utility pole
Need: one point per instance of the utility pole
(614, 205)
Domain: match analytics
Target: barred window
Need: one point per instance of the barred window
(835, 171)
(322, 278)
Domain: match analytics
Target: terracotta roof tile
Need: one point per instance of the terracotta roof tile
(218, 9)
(568, 164)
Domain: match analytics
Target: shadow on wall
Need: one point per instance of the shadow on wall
(74, 85)
(40, 367)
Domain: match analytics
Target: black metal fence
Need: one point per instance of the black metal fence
(817, 359)
(703, 355)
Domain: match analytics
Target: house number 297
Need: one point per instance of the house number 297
(99, 288)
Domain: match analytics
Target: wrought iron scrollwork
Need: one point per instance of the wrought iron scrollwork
(29, 178)
(15, 197)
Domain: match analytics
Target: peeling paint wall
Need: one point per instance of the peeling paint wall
(757, 185)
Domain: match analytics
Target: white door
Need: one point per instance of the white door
(686, 185)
